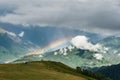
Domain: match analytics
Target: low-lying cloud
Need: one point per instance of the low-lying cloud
(83, 43)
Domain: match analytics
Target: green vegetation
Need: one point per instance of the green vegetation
(95, 75)
(39, 70)
(112, 71)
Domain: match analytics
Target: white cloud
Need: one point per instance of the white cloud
(98, 56)
(101, 16)
(21, 34)
(55, 53)
(83, 43)
(12, 34)
(40, 55)
(8, 32)
(115, 51)
(119, 54)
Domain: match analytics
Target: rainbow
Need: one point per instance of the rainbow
(50, 47)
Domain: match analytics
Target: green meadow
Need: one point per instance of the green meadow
(39, 70)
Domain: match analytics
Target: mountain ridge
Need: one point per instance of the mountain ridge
(112, 71)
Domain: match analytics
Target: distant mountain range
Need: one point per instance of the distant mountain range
(44, 35)
(111, 71)
(17, 40)
(12, 47)
(73, 56)
(21, 41)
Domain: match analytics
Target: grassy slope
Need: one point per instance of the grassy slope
(44, 70)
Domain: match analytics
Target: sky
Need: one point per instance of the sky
(98, 16)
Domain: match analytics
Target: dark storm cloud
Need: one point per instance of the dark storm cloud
(101, 16)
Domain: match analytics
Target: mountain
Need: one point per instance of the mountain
(43, 70)
(71, 56)
(42, 35)
(11, 46)
(112, 44)
(17, 43)
(111, 41)
(86, 58)
(111, 71)
(17, 40)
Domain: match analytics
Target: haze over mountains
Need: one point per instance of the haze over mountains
(87, 55)
(19, 41)
(71, 47)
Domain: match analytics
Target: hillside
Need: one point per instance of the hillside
(44, 70)
(111, 71)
